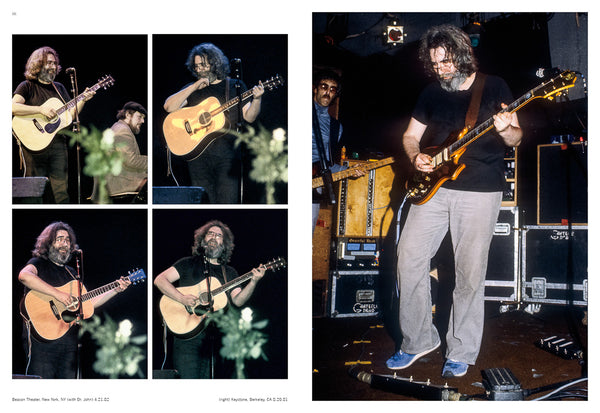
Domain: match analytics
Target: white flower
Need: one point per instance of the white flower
(279, 134)
(125, 328)
(247, 314)
(108, 138)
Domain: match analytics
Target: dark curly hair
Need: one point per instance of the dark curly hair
(455, 42)
(37, 60)
(219, 64)
(48, 236)
(228, 244)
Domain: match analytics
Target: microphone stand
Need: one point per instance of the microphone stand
(210, 300)
(237, 64)
(79, 312)
(76, 129)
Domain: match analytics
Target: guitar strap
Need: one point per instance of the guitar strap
(324, 164)
(473, 111)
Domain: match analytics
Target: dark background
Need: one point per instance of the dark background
(262, 56)
(259, 236)
(124, 57)
(114, 243)
(380, 82)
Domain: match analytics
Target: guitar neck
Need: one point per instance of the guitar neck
(484, 127)
(268, 85)
(231, 103)
(99, 291)
(71, 104)
(317, 182)
(232, 284)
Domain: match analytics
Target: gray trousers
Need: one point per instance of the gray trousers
(471, 218)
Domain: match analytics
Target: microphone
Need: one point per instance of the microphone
(76, 250)
(236, 60)
(543, 72)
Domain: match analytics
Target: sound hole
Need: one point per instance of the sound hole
(205, 119)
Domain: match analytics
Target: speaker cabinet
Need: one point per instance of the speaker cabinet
(32, 190)
(364, 208)
(179, 195)
(355, 294)
(562, 184)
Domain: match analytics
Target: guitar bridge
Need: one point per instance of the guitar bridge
(38, 126)
(54, 310)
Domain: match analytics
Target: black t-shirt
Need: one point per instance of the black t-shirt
(36, 93)
(53, 274)
(191, 271)
(219, 91)
(444, 113)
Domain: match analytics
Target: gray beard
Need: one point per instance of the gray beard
(46, 76)
(212, 251)
(58, 257)
(209, 75)
(454, 83)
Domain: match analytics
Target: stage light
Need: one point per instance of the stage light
(394, 34)
(474, 30)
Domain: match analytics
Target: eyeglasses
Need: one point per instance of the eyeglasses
(325, 87)
(201, 64)
(61, 239)
(214, 234)
(444, 63)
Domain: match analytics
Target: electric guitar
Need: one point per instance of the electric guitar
(337, 176)
(423, 185)
(189, 131)
(36, 131)
(187, 322)
(51, 319)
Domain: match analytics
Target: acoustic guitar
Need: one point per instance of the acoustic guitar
(187, 322)
(189, 131)
(51, 319)
(36, 131)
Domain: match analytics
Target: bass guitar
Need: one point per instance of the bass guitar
(187, 322)
(51, 319)
(189, 131)
(337, 176)
(421, 186)
(36, 131)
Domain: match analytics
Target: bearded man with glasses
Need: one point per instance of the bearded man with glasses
(197, 357)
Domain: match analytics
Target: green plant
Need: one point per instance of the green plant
(270, 157)
(118, 352)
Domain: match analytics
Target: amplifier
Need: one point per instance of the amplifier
(357, 253)
(355, 294)
(554, 263)
(562, 184)
(364, 208)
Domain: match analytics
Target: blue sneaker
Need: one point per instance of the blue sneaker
(454, 369)
(401, 360)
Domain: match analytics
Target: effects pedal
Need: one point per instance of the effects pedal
(501, 384)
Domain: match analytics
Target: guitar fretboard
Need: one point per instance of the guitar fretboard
(71, 104)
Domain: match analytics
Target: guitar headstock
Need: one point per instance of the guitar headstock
(273, 83)
(276, 264)
(137, 276)
(106, 81)
(556, 86)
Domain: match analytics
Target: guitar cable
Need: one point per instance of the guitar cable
(162, 367)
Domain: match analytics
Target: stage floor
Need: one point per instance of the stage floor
(508, 342)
